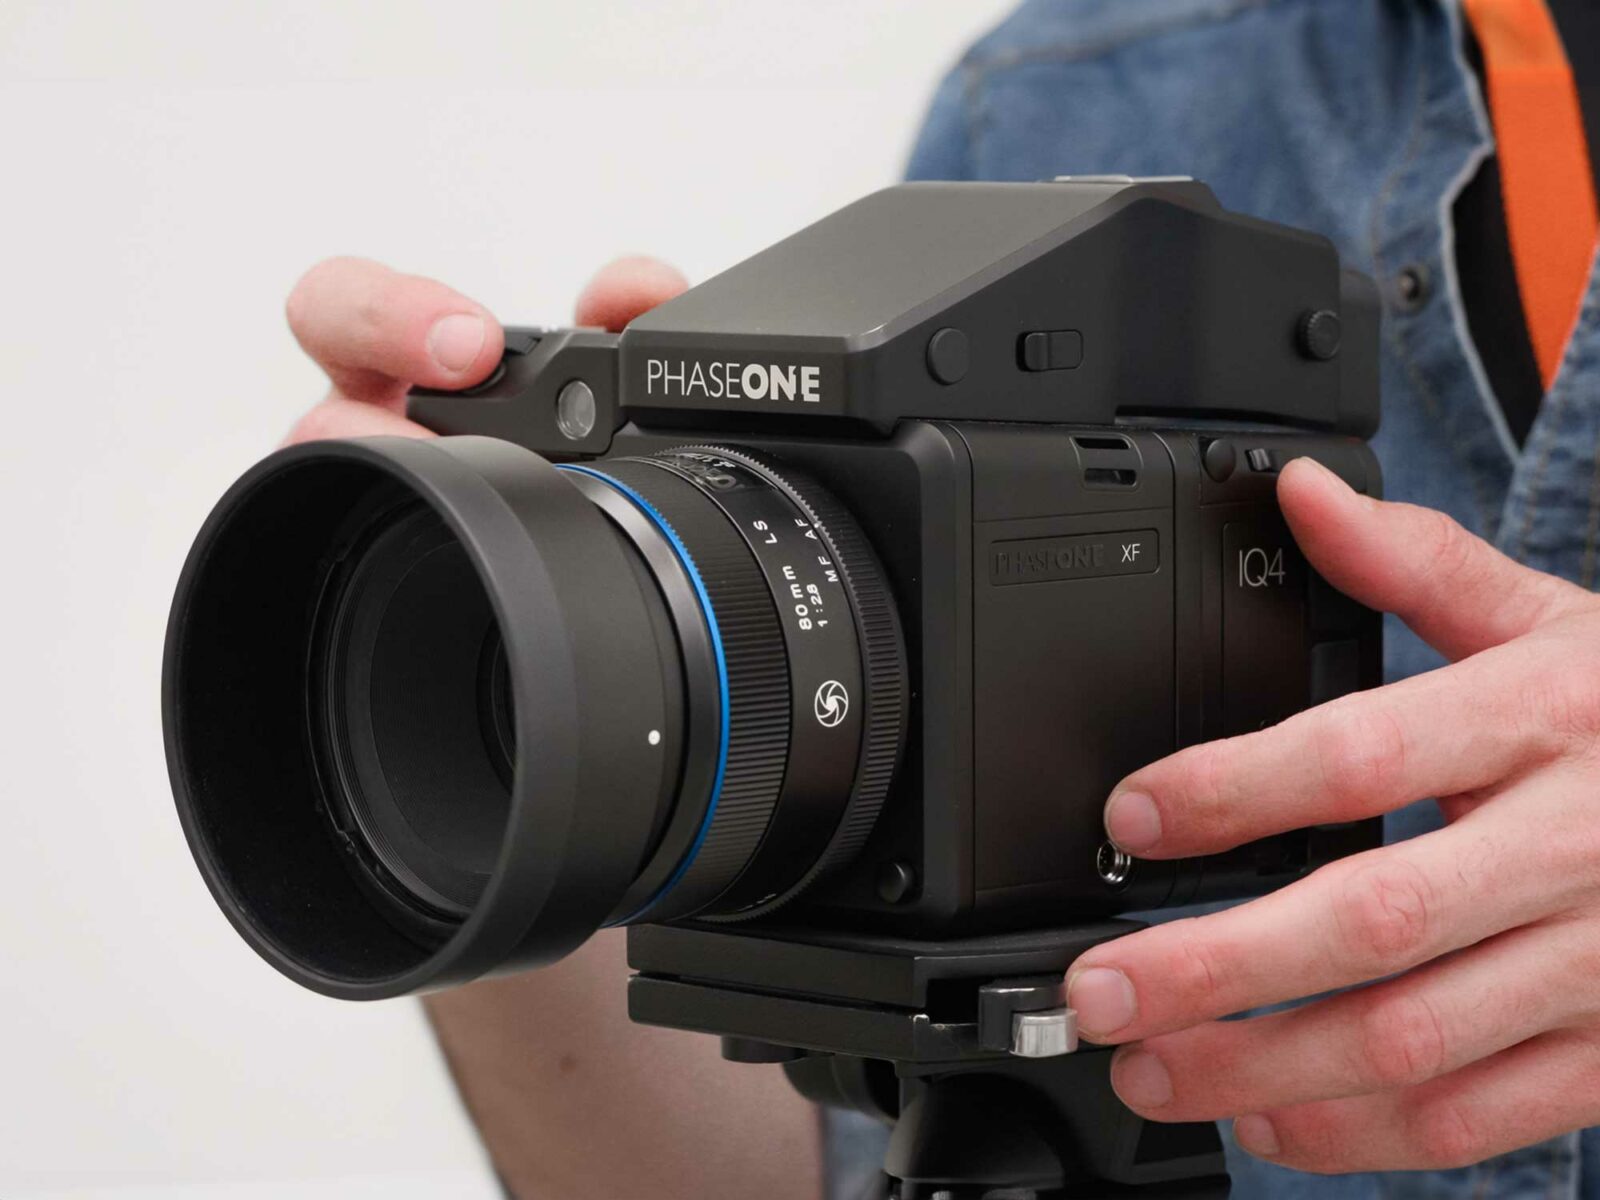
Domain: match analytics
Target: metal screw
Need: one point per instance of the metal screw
(1115, 866)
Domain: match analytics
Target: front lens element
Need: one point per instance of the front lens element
(412, 713)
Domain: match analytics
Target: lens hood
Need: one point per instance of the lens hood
(597, 710)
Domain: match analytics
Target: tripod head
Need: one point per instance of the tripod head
(965, 1046)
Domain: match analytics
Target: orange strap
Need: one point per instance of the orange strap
(1551, 214)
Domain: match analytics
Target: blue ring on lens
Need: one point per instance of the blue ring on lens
(706, 611)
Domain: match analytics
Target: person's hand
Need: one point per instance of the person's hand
(1484, 1032)
(377, 332)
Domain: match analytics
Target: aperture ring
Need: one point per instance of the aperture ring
(887, 690)
(758, 710)
(824, 656)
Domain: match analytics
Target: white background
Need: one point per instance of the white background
(166, 171)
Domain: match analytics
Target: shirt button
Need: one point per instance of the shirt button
(1412, 287)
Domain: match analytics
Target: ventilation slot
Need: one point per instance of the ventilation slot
(1107, 461)
(1102, 443)
(1110, 477)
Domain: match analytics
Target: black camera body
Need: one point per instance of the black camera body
(1057, 411)
(804, 627)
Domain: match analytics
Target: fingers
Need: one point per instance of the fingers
(1356, 920)
(376, 331)
(1399, 1033)
(1460, 594)
(1527, 1094)
(1449, 731)
(341, 418)
(623, 289)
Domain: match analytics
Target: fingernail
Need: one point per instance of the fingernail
(1322, 469)
(1133, 821)
(454, 341)
(1141, 1080)
(1314, 464)
(1256, 1134)
(1103, 999)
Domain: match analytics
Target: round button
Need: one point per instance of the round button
(948, 356)
(1320, 334)
(575, 410)
(896, 881)
(1220, 459)
(484, 385)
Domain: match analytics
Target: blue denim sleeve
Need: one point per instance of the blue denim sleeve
(943, 149)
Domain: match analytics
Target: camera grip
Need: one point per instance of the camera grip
(553, 391)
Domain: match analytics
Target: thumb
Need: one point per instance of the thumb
(1458, 593)
(623, 289)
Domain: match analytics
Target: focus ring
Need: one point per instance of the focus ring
(758, 686)
(883, 664)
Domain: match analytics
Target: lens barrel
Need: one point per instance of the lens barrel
(437, 708)
(812, 672)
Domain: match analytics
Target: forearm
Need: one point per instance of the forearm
(573, 1100)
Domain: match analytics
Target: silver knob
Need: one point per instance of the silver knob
(1044, 1034)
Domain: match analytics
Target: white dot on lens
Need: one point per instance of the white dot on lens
(655, 737)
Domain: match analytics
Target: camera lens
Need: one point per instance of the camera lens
(435, 708)
(412, 713)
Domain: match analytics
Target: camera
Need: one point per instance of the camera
(803, 626)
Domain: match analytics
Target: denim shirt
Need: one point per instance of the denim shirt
(1361, 120)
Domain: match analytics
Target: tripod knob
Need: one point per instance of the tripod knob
(1044, 1034)
(1027, 1017)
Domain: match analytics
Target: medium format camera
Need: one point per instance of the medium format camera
(804, 626)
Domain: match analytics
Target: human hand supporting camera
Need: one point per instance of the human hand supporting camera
(1484, 1032)
(377, 332)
